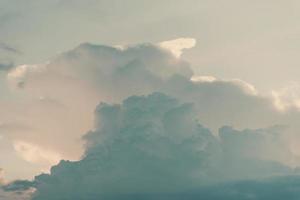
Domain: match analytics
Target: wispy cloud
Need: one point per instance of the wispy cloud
(9, 49)
(5, 66)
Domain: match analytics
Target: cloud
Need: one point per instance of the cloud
(287, 98)
(5, 66)
(7, 56)
(7, 48)
(154, 146)
(88, 74)
(254, 154)
(19, 185)
(246, 87)
(276, 188)
(145, 144)
(111, 74)
(9, 191)
(59, 96)
(135, 148)
(273, 188)
(177, 46)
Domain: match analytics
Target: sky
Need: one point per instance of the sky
(138, 99)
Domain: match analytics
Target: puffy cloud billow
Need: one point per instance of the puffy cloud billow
(154, 147)
(166, 140)
(146, 145)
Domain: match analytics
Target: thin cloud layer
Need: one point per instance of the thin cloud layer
(8, 48)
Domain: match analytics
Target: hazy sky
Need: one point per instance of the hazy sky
(251, 39)
(109, 82)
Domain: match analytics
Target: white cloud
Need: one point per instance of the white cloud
(287, 97)
(203, 78)
(246, 87)
(177, 46)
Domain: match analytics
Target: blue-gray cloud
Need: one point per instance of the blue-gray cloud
(7, 55)
(146, 145)
(154, 147)
(8, 48)
(5, 66)
(275, 188)
(19, 185)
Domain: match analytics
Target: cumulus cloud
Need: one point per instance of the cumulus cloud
(19, 185)
(272, 188)
(58, 101)
(246, 87)
(135, 148)
(287, 98)
(177, 46)
(154, 146)
(74, 82)
(203, 78)
(111, 74)
(56, 92)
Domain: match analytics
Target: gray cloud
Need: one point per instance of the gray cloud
(274, 188)
(135, 148)
(8, 48)
(5, 66)
(154, 147)
(7, 56)
(19, 185)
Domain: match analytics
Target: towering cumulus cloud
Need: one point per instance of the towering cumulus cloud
(146, 145)
(148, 140)
(154, 147)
